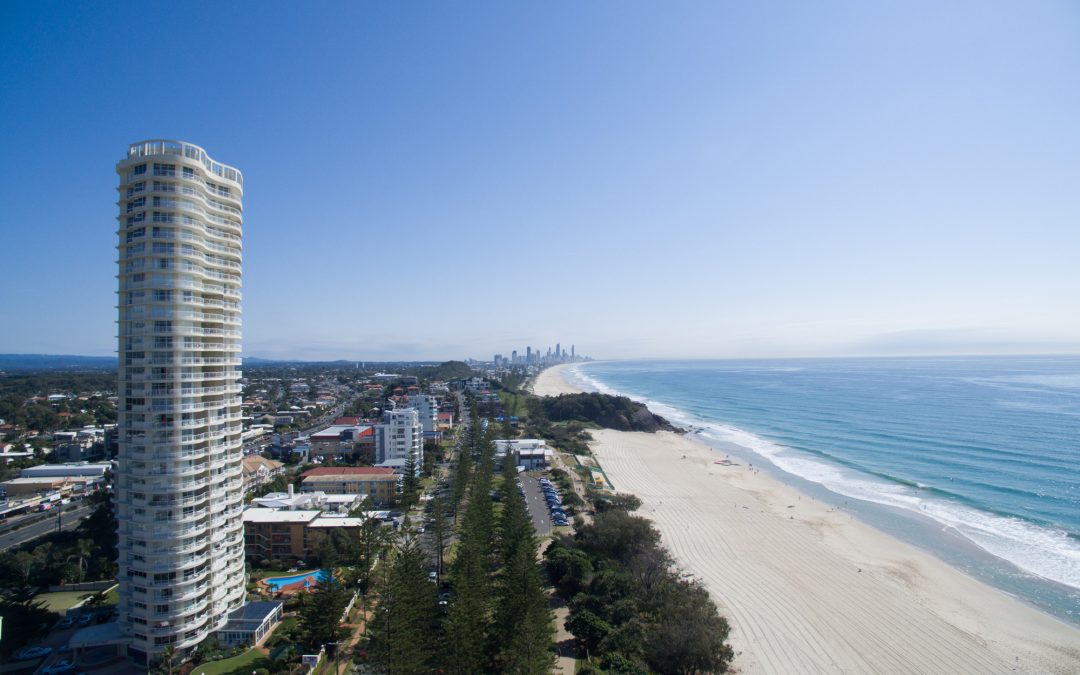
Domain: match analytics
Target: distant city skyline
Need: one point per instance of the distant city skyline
(695, 180)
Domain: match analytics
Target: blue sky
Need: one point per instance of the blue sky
(442, 180)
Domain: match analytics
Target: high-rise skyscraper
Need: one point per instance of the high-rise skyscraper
(178, 484)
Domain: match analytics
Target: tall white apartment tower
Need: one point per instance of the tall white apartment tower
(178, 486)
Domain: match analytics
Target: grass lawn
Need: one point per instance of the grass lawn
(245, 661)
(61, 601)
(113, 596)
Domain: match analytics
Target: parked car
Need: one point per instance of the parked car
(32, 653)
(86, 619)
(59, 668)
(67, 622)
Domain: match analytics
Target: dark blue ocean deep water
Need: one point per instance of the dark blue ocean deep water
(976, 459)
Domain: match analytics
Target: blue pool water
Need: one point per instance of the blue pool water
(276, 583)
(976, 459)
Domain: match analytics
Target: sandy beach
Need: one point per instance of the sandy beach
(811, 589)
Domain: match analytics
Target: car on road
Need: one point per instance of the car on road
(433, 577)
(32, 653)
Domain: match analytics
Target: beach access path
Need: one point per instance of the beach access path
(809, 588)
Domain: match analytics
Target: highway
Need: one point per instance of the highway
(69, 518)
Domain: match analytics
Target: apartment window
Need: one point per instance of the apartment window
(137, 218)
(136, 188)
(163, 169)
(189, 173)
(139, 170)
(138, 278)
(136, 203)
(163, 296)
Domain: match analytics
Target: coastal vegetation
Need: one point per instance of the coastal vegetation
(631, 611)
(604, 410)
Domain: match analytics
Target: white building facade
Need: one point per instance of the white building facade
(427, 408)
(399, 435)
(179, 483)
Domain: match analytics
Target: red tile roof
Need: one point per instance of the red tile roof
(348, 471)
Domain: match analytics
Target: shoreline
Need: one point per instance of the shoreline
(809, 587)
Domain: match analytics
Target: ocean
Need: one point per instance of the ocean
(974, 459)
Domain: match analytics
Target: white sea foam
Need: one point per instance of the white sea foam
(1047, 553)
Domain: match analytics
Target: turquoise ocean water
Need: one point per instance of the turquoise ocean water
(975, 459)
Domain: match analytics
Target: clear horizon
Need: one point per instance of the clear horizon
(692, 181)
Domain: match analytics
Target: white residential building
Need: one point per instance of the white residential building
(427, 408)
(399, 435)
(178, 482)
(531, 453)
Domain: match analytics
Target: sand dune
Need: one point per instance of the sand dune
(810, 589)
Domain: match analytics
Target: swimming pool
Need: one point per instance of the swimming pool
(276, 583)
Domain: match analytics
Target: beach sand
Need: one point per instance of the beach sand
(811, 589)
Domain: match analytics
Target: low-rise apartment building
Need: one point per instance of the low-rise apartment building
(259, 470)
(284, 535)
(379, 483)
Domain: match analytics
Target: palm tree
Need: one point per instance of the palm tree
(83, 549)
(167, 655)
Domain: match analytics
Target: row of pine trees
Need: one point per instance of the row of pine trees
(496, 618)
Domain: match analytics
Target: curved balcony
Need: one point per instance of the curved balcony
(176, 151)
(169, 533)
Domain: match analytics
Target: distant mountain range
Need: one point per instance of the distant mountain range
(14, 363)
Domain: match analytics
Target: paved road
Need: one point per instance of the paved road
(70, 518)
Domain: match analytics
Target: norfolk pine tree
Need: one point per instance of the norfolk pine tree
(523, 629)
